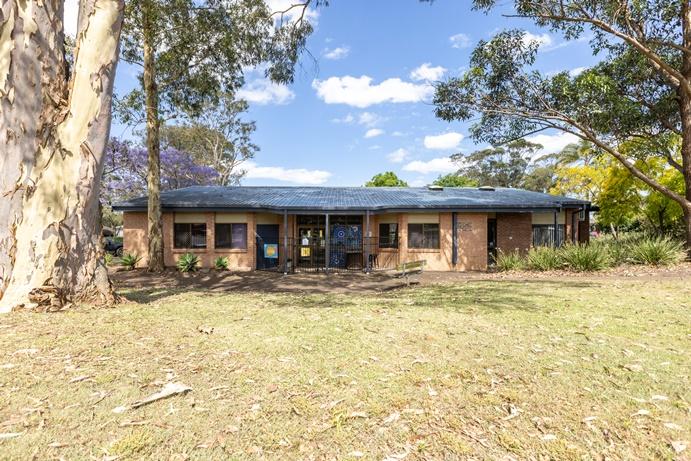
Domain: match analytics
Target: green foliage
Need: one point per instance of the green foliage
(600, 254)
(110, 218)
(386, 179)
(504, 166)
(108, 259)
(584, 258)
(188, 263)
(129, 260)
(201, 49)
(624, 202)
(454, 180)
(221, 263)
(512, 261)
(218, 137)
(543, 259)
(630, 97)
(656, 251)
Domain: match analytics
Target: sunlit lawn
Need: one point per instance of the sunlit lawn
(567, 369)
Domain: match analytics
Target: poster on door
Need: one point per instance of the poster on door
(270, 250)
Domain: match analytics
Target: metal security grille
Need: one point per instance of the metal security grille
(349, 255)
(543, 235)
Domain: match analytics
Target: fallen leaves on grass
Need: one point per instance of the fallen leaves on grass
(392, 418)
(168, 390)
(678, 446)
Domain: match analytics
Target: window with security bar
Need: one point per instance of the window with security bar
(189, 235)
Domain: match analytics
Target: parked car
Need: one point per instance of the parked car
(113, 246)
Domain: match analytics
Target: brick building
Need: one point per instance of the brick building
(354, 228)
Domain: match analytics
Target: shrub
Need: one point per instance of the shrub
(509, 261)
(221, 263)
(543, 259)
(188, 263)
(130, 260)
(657, 251)
(585, 258)
(108, 259)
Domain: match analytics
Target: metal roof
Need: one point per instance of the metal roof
(353, 199)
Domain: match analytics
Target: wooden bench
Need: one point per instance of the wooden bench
(407, 269)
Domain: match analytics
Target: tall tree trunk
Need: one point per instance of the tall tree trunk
(53, 133)
(153, 144)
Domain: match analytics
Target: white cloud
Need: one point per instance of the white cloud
(444, 141)
(436, 165)
(398, 134)
(70, 19)
(542, 40)
(360, 92)
(293, 175)
(370, 119)
(263, 91)
(398, 156)
(459, 41)
(373, 133)
(348, 119)
(335, 54)
(577, 71)
(553, 143)
(428, 73)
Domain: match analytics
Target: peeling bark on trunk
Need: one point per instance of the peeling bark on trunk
(53, 132)
(153, 144)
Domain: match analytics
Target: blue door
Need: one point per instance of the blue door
(267, 246)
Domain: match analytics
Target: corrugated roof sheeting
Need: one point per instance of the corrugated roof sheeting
(350, 198)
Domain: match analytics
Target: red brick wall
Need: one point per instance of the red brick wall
(514, 232)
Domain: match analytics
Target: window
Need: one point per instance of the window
(388, 235)
(189, 235)
(543, 235)
(231, 236)
(423, 235)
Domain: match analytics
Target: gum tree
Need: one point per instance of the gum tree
(54, 125)
(191, 52)
(640, 91)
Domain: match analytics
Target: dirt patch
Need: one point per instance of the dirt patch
(258, 281)
(272, 282)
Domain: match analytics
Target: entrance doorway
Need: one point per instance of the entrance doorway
(267, 246)
(491, 241)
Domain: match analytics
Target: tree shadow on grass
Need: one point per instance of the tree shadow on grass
(343, 290)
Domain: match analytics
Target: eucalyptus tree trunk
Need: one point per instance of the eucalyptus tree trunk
(153, 145)
(53, 129)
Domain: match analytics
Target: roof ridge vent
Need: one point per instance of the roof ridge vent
(486, 188)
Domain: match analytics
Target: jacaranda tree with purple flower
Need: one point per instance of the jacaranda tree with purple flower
(124, 175)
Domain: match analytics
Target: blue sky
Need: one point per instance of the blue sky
(365, 106)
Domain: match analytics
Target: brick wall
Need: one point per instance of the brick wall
(238, 259)
(134, 236)
(514, 232)
(472, 241)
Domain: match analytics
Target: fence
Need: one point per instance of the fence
(543, 235)
(344, 255)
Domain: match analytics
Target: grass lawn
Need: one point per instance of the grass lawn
(561, 369)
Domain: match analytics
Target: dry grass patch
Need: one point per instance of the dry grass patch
(561, 369)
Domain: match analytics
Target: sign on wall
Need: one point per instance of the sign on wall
(270, 250)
